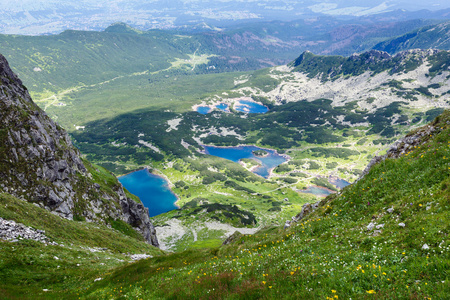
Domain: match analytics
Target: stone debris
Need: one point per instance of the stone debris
(136, 257)
(401, 147)
(287, 224)
(12, 231)
(379, 226)
(376, 232)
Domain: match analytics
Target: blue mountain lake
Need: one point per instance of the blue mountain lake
(203, 109)
(269, 162)
(250, 107)
(152, 189)
(222, 106)
(318, 191)
(339, 183)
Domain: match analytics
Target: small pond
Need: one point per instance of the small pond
(250, 107)
(270, 161)
(222, 106)
(152, 189)
(317, 190)
(203, 109)
(338, 182)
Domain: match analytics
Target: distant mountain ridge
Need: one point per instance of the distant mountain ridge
(39, 164)
(374, 61)
(433, 36)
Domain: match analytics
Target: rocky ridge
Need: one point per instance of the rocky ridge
(403, 146)
(38, 163)
(368, 79)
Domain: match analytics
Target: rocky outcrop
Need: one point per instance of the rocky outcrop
(402, 146)
(12, 231)
(307, 208)
(38, 163)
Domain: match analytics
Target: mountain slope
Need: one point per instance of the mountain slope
(40, 165)
(62, 256)
(429, 37)
(384, 237)
(329, 114)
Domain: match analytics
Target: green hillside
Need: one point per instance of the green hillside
(73, 74)
(384, 237)
(433, 36)
(74, 254)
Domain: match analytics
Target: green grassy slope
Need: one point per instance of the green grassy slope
(332, 252)
(74, 74)
(434, 36)
(75, 58)
(83, 252)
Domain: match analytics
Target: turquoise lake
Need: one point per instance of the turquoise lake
(203, 109)
(152, 189)
(339, 183)
(242, 106)
(317, 190)
(250, 107)
(235, 154)
(222, 106)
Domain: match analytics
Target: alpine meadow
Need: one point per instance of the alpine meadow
(224, 150)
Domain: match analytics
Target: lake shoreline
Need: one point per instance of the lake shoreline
(320, 187)
(231, 105)
(153, 188)
(266, 166)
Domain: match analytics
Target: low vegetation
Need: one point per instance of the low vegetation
(382, 237)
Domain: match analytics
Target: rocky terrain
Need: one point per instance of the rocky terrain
(38, 163)
(12, 231)
(428, 37)
(372, 89)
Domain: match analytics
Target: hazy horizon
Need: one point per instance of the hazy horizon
(34, 17)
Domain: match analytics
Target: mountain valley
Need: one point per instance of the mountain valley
(302, 166)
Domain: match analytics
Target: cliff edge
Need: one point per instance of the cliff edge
(39, 164)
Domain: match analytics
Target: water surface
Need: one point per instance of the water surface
(153, 190)
(235, 154)
(203, 109)
(338, 182)
(222, 106)
(317, 190)
(250, 107)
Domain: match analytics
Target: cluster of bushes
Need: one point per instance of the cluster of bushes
(223, 213)
(238, 187)
(283, 168)
(290, 180)
(334, 152)
(331, 165)
(210, 177)
(323, 182)
(313, 165)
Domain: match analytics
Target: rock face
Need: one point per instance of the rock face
(38, 163)
(307, 209)
(402, 146)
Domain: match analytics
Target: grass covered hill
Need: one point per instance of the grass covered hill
(72, 255)
(432, 36)
(384, 237)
